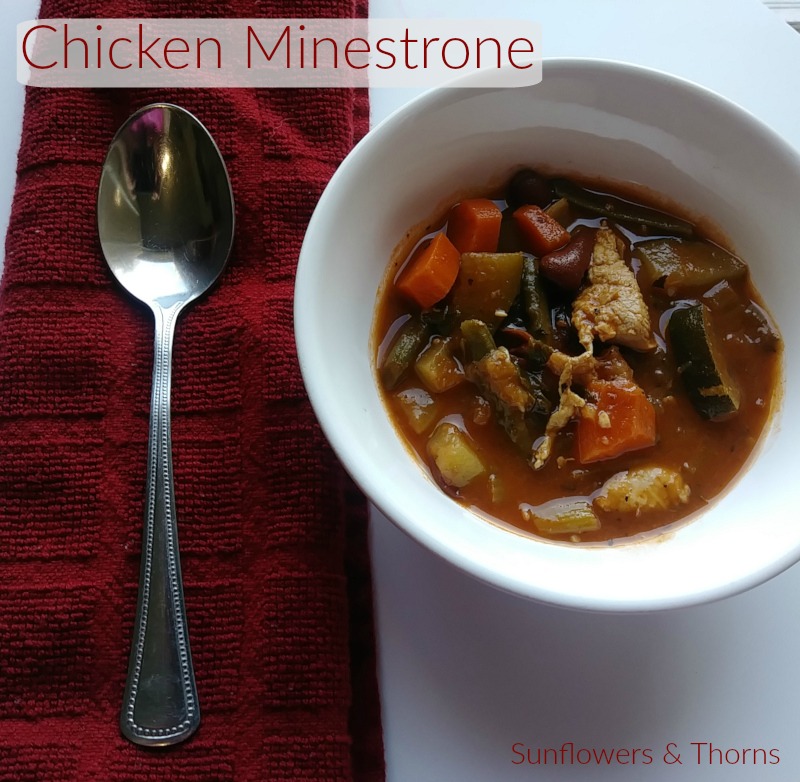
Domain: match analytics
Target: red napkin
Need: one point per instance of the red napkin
(273, 535)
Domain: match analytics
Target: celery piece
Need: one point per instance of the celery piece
(437, 368)
(562, 517)
(419, 408)
(497, 488)
(454, 457)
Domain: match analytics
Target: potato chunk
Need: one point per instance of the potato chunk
(454, 457)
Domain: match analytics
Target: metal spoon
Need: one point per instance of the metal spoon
(165, 218)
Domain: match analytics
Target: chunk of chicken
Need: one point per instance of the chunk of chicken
(568, 368)
(611, 307)
(568, 406)
(610, 365)
(641, 489)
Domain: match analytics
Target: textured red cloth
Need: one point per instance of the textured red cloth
(272, 533)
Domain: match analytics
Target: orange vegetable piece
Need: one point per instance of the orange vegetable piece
(473, 226)
(621, 419)
(431, 272)
(542, 233)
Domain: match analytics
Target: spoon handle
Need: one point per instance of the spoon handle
(160, 704)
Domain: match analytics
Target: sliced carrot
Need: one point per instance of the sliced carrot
(619, 419)
(431, 272)
(473, 226)
(542, 233)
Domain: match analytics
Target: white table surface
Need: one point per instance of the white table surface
(466, 671)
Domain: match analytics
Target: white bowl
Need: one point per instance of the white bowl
(605, 119)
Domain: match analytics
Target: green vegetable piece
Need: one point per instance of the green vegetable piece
(456, 461)
(478, 340)
(536, 352)
(499, 380)
(562, 517)
(681, 267)
(722, 298)
(535, 299)
(407, 344)
(700, 364)
(768, 334)
(486, 286)
(542, 398)
(420, 409)
(435, 318)
(562, 212)
(437, 368)
(621, 210)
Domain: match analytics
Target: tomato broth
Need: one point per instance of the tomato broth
(672, 374)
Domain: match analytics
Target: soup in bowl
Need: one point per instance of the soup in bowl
(610, 448)
(549, 353)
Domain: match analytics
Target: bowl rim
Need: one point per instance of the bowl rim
(373, 488)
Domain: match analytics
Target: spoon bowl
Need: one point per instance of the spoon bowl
(165, 218)
(165, 208)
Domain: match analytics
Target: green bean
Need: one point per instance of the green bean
(478, 339)
(410, 340)
(618, 209)
(499, 381)
(535, 299)
(542, 401)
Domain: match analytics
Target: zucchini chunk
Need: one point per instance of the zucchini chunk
(436, 366)
(419, 408)
(562, 212)
(679, 267)
(708, 384)
(454, 457)
(486, 286)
